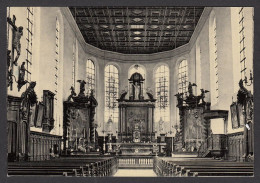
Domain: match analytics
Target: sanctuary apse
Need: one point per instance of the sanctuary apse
(74, 109)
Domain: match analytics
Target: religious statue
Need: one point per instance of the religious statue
(21, 80)
(190, 88)
(243, 93)
(8, 58)
(149, 93)
(82, 87)
(123, 94)
(28, 97)
(202, 95)
(17, 34)
(179, 99)
(9, 71)
(73, 93)
(161, 126)
(136, 91)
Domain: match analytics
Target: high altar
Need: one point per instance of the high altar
(136, 130)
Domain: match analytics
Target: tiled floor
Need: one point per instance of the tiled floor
(135, 173)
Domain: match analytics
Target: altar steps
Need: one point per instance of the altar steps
(185, 154)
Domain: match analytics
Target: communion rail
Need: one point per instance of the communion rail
(135, 162)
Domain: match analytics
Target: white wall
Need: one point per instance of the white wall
(44, 59)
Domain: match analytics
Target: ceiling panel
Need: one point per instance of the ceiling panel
(137, 30)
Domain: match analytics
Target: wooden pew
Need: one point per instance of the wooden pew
(201, 167)
(66, 167)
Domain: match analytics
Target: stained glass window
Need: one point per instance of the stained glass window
(111, 93)
(57, 88)
(162, 109)
(215, 57)
(29, 42)
(183, 77)
(57, 60)
(242, 43)
(90, 75)
(74, 55)
(214, 78)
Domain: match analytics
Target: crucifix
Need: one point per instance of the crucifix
(17, 33)
(16, 37)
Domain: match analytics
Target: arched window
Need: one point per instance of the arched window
(162, 109)
(74, 63)
(242, 47)
(214, 62)
(198, 68)
(57, 82)
(111, 93)
(242, 42)
(29, 42)
(90, 75)
(136, 68)
(183, 77)
(57, 61)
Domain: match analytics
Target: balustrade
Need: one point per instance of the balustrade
(140, 162)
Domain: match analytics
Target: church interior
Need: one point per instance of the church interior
(92, 91)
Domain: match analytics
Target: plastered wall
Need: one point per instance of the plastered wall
(44, 54)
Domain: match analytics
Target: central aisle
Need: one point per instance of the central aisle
(135, 173)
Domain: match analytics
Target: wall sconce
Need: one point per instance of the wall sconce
(250, 79)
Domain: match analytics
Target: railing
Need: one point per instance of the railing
(135, 161)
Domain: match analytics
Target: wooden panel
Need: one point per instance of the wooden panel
(235, 146)
(44, 146)
(13, 115)
(193, 128)
(137, 31)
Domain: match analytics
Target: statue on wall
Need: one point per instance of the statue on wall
(73, 93)
(149, 93)
(17, 34)
(179, 99)
(123, 94)
(202, 95)
(29, 98)
(9, 71)
(190, 90)
(8, 58)
(21, 80)
(82, 87)
(136, 91)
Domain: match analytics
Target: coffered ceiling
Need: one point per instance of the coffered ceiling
(137, 30)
